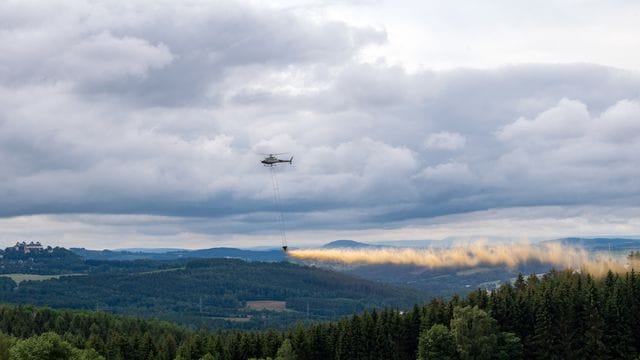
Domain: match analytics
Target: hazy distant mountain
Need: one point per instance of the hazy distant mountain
(346, 244)
(151, 250)
(418, 243)
(599, 244)
(249, 255)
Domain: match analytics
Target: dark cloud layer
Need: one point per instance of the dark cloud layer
(164, 109)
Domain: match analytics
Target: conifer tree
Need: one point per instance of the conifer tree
(285, 352)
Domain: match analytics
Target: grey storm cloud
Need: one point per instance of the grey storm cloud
(165, 109)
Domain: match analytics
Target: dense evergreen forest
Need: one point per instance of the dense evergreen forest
(563, 315)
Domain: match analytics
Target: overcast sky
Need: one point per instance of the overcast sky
(141, 123)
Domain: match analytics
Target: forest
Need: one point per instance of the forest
(49, 260)
(211, 293)
(561, 315)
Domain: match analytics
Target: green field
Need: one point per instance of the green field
(18, 278)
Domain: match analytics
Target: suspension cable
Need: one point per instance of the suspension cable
(277, 202)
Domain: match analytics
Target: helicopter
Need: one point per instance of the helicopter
(272, 160)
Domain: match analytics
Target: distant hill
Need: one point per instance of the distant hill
(150, 250)
(444, 282)
(40, 261)
(248, 255)
(599, 244)
(213, 292)
(346, 244)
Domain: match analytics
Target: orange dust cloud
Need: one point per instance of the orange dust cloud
(472, 255)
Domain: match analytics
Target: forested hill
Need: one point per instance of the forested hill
(563, 315)
(48, 260)
(212, 292)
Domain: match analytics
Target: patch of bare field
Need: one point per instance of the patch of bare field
(272, 305)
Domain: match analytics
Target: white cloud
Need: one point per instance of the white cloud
(452, 173)
(575, 155)
(445, 141)
(440, 35)
(103, 56)
(566, 120)
(620, 122)
(570, 121)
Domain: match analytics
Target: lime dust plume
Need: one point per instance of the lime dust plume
(472, 255)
